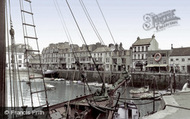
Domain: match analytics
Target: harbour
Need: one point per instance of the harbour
(88, 79)
(68, 90)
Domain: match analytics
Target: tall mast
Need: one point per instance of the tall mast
(3, 57)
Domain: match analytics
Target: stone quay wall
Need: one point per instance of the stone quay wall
(139, 79)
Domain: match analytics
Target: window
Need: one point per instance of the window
(20, 61)
(138, 56)
(20, 56)
(146, 48)
(163, 55)
(120, 53)
(176, 59)
(183, 59)
(68, 60)
(171, 59)
(123, 60)
(142, 48)
(183, 67)
(134, 56)
(142, 56)
(107, 65)
(100, 59)
(114, 60)
(164, 62)
(107, 60)
(138, 48)
(188, 59)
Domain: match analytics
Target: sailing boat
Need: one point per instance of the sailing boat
(98, 105)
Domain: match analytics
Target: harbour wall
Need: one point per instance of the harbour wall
(139, 79)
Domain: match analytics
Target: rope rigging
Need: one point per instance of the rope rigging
(71, 46)
(30, 36)
(15, 68)
(66, 30)
(103, 86)
(90, 21)
(9, 61)
(106, 22)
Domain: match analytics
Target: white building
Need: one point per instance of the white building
(19, 57)
(102, 58)
(140, 50)
(180, 60)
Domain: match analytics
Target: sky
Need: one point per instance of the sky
(124, 18)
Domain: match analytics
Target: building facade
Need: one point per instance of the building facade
(91, 57)
(19, 57)
(144, 55)
(121, 58)
(140, 50)
(158, 61)
(179, 60)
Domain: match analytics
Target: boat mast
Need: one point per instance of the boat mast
(3, 57)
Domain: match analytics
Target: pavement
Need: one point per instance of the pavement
(177, 107)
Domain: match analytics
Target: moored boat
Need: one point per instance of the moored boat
(140, 90)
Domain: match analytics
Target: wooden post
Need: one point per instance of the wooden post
(153, 94)
(3, 58)
(171, 83)
(74, 76)
(174, 82)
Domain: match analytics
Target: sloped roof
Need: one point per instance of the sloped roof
(145, 41)
(102, 49)
(181, 51)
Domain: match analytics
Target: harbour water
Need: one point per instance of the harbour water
(62, 91)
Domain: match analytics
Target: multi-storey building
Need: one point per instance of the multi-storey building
(19, 57)
(56, 55)
(64, 56)
(120, 58)
(158, 60)
(140, 50)
(102, 58)
(144, 55)
(179, 60)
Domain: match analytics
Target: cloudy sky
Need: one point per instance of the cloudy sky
(124, 18)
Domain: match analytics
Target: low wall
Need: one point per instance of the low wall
(162, 80)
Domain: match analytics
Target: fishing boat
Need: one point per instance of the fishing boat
(129, 111)
(98, 105)
(140, 90)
